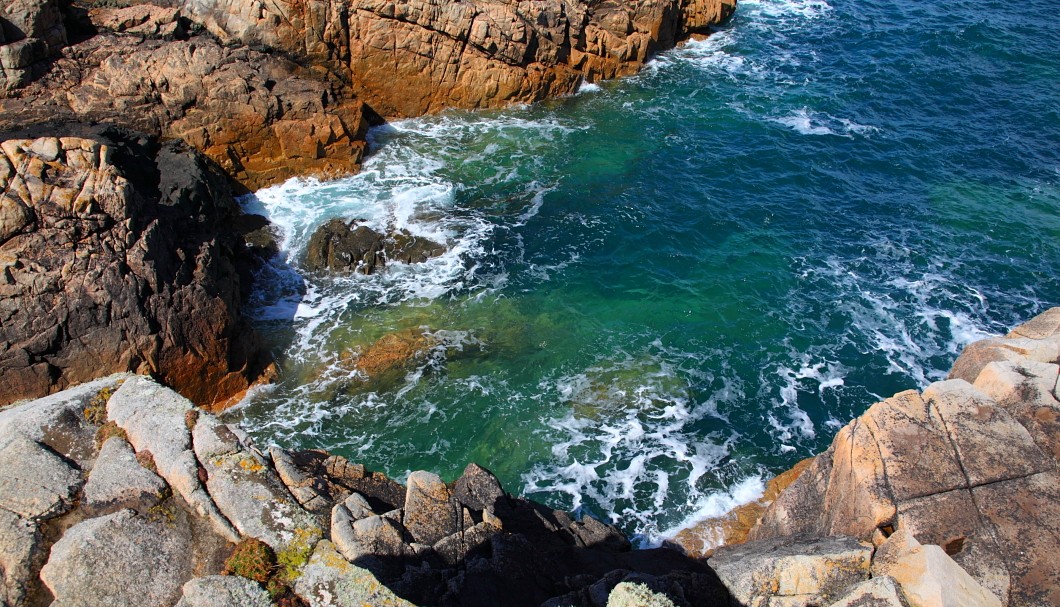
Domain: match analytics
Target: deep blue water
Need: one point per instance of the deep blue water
(665, 289)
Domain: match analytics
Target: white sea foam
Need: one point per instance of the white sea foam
(808, 122)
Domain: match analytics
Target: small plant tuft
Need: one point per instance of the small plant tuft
(252, 559)
(96, 410)
(147, 460)
(191, 417)
(109, 430)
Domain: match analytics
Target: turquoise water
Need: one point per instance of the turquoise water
(665, 289)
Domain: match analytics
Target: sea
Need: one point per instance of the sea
(664, 290)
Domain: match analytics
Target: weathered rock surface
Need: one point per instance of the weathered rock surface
(223, 591)
(927, 575)
(115, 256)
(329, 580)
(419, 56)
(814, 572)
(259, 117)
(21, 556)
(36, 483)
(881, 591)
(970, 468)
(338, 246)
(30, 31)
(118, 481)
(103, 561)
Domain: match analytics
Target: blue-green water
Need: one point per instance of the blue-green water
(665, 289)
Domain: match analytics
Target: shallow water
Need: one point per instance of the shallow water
(665, 289)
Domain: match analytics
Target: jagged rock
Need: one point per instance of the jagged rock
(119, 481)
(632, 594)
(417, 56)
(312, 492)
(21, 555)
(814, 571)
(153, 417)
(927, 576)
(141, 19)
(223, 591)
(455, 548)
(117, 259)
(952, 463)
(259, 117)
(732, 528)
(30, 32)
(249, 494)
(591, 533)
(478, 489)
(881, 591)
(338, 246)
(430, 512)
(103, 561)
(331, 581)
(35, 484)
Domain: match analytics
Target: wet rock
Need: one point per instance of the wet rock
(393, 355)
(223, 591)
(813, 572)
(102, 561)
(338, 246)
(119, 481)
(119, 261)
(329, 580)
(927, 576)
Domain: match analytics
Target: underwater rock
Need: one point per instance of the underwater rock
(341, 247)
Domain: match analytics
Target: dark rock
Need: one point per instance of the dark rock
(119, 259)
(341, 247)
(338, 246)
(478, 489)
(591, 533)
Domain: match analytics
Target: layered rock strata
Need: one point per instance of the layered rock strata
(120, 492)
(116, 254)
(970, 464)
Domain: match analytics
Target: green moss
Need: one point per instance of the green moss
(252, 559)
(296, 555)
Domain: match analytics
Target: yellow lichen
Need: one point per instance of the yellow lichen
(296, 554)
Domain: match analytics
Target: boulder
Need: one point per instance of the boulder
(809, 572)
(103, 561)
(632, 594)
(145, 20)
(338, 246)
(430, 512)
(118, 259)
(329, 580)
(927, 576)
(223, 591)
(36, 483)
(478, 489)
(880, 591)
(119, 481)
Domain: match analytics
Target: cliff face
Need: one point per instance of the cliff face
(412, 57)
(117, 254)
(971, 464)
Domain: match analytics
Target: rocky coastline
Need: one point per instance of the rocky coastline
(122, 492)
(126, 131)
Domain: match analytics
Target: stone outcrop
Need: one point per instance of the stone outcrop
(428, 542)
(116, 255)
(338, 246)
(413, 57)
(262, 119)
(31, 31)
(969, 466)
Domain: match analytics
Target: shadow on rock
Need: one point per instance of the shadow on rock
(468, 543)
